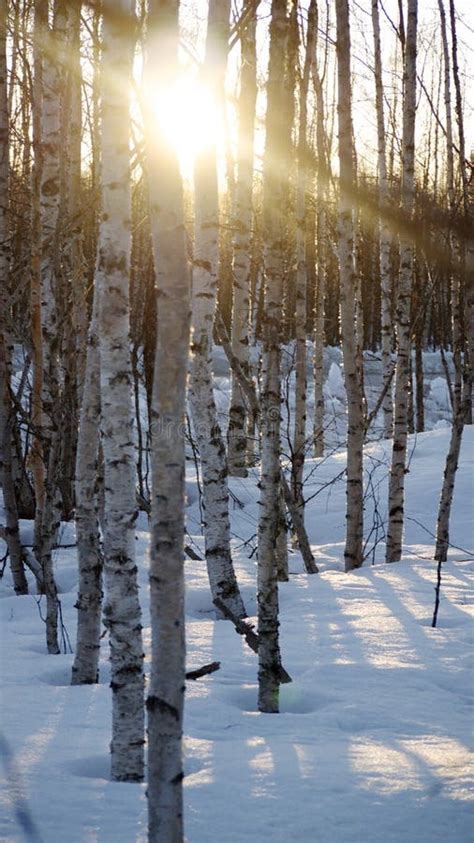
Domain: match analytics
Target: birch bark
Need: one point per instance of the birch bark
(384, 231)
(44, 317)
(36, 453)
(237, 440)
(12, 532)
(201, 396)
(405, 281)
(299, 436)
(166, 693)
(274, 199)
(319, 333)
(122, 609)
(461, 398)
(85, 669)
(352, 375)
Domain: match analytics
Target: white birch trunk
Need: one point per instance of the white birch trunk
(237, 440)
(352, 375)
(397, 473)
(74, 189)
(36, 456)
(205, 267)
(299, 435)
(48, 516)
(274, 181)
(384, 232)
(461, 401)
(85, 669)
(50, 194)
(122, 609)
(320, 293)
(166, 692)
(12, 534)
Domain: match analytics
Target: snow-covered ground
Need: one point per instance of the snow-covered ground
(373, 739)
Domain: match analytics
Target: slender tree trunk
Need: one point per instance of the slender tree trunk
(85, 669)
(237, 440)
(37, 451)
(397, 473)
(12, 533)
(74, 196)
(274, 184)
(352, 375)
(460, 397)
(385, 238)
(166, 692)
(73, 305)
(122, 614)
(48, 514)
(205, 267)
(451, 466)
(320, 293)
(299, 436)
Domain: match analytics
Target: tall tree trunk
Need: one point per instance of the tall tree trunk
(405, 281)
(74, 311)
(274, 184)
(320, 293)
(461, 398)
(37, 452)
(467, 243)
(122, 614)
(299, 436)
(205, 267)
(237, 440)
(384, 232)
(166, 692)
(352, 374)
(48, 512)
(12, 533)
(85, 669)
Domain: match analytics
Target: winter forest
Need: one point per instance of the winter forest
(236, 421)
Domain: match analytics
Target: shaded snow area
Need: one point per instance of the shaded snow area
(372, 743)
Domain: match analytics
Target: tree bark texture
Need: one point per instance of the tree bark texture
(201, 395)
(352, 375)
(167, 679)
(237, 440)
(85, 669)
(122, 614)
(405, 282)
(274, 182)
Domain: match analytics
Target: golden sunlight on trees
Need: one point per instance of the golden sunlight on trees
(236, 244)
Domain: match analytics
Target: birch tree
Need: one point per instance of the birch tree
(352, 376)
(122, 609)
(36, 452)
(384, 230)
(85, 669)
(12, 533)
(405, 280)
(274, 186)
(237, 440)
(321, 217)
(46, 401)
(201, 396)
(166, 692)
(299, 436)
(461, 391)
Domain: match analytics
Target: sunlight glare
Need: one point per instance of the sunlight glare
(187, 115)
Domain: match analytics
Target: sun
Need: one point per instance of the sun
(187, 115)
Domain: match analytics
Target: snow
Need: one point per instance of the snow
(373, 739)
